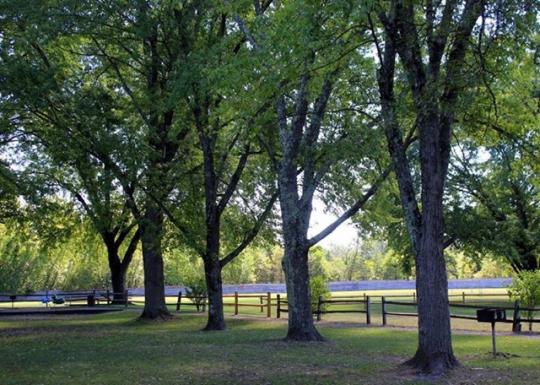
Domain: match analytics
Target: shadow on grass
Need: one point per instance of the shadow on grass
(118, 349)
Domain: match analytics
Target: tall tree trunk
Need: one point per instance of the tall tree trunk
(301, 326)
(154, 286)
(434, 354)
(116, 267)
(118, 280)
(118, 273)
(214, 285)
(295, 218)
(212, 271)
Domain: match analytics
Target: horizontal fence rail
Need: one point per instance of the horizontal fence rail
(264, 302)
(515, 321)
(323, 306)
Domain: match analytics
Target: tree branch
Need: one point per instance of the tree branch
(248, 238)
(351, 211)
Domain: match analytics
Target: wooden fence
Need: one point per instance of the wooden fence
(72, 298)
(462, 297)
(364, 301)
(264, 302)
(515, 321)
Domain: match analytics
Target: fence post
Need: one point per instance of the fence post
(414, 296)
(368, 310)
(383, 306)
(319, 304)
(235, 303)
(261, 303)
(516, 319)
(463, 296)
(268, 304)
(278, 310)
(126, 298)
(179, 300)
(108, 298)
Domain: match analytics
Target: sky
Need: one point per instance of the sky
(344, 235)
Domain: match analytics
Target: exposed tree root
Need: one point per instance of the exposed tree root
(432, 365)
(155, 315)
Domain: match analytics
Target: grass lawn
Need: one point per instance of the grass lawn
(115, 348)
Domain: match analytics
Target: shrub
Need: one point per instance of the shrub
(319, 287)
(525, 288)
(196, 289)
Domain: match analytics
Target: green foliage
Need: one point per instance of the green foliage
(241, 269)
(181, 266)
(367, 259)
(525, 288)
(29, 262)
(318, 263)
(21, 265)
(318, 287)
(462, 265)
(268, 263)
(80, 117)
(196, 288)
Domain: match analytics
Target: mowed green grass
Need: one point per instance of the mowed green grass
(116, 348)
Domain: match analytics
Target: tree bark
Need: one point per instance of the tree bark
(118, 279)
(118, 268)
(434, 354)
(154, 286)
(300, 317)
(214, 285)
(295, 223)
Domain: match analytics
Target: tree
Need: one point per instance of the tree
(93, 187)
(432, 57)
(526, 289)
(48, 153)
(178, 76)
(503, 205)
(120, 50)
(305, 146)
(493, 177)
(227, 169)
(150, 92)
(156, 55)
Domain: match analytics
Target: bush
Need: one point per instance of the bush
(319, 287)
(525, 288)
(196, 288)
